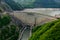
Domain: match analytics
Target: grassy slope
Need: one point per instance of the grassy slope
(40, 31)
(52, 34)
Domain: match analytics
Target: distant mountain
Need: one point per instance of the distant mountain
(40, 3)
(14, 5)
(21, 4)
(26, 3)
(4, 6)
(46, 3)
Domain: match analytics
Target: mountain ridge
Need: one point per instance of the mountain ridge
(39, 3)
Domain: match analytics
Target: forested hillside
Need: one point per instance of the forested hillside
(8, 30)
(40, 3)
(48, 31)
(14, 5)
(21, 4)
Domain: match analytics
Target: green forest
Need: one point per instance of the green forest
(8, 31)
(39, 3)
(47, 31)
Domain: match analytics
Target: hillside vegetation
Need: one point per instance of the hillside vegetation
(48, 31)
(8, 31)
(13, 5)
(40, 3)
